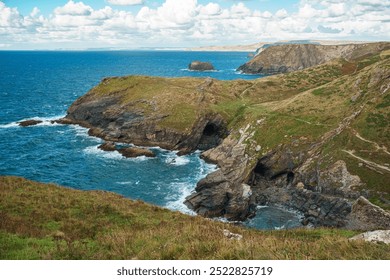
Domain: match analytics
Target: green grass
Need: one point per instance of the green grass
(70, 224)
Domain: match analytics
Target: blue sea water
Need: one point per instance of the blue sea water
(42, 85)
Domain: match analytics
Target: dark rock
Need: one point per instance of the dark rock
(29, 123)
(107, 146)
(200, 66)
(223, 192)
(136, 152)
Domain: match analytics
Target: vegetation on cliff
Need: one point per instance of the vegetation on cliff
(312, 140)
(44, 221)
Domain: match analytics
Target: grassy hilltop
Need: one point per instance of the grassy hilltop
(44, 221)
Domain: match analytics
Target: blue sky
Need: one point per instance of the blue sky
(130, 24)
(47, 6)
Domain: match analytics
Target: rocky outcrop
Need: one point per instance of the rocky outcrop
(132, 152)
(377, 236)
(200, 66)
(223, 193)
(129, 152)
(293, 57)
(113, 122)
(367, 216)
(107, 146)
(29, 123)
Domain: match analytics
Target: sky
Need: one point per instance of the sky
(136, 24)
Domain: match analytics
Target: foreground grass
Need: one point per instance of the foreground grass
(44, 221)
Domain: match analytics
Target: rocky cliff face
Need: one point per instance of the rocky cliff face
(314, 141)
(113, 119)
(288, 58)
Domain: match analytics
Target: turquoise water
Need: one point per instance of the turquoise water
(42, 85)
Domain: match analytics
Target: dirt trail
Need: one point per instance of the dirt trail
(369, 163)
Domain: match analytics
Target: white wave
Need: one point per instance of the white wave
(199, 71)
(281, 227)
(179, 193)
(173, 159)
(9, 125)
(124, 183)
(94, 150)
(83, 133)
(140, 158)
(49, 121)
(178, 161)
(79, 130)
(128, 183)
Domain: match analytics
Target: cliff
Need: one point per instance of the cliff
(292, 57)
(314, 140)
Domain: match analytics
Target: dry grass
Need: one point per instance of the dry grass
(41, 221)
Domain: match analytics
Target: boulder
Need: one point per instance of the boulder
(29, 122)
(376, 236)
(107, 146)
(136, 152)
(200, 66)
(367, 216)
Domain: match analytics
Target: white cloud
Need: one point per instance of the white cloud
(210, 9)
(125, 2)
(187, 23)
(281, 13)
(72, 8)
(9, 17)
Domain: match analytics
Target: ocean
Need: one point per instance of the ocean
(43, 84)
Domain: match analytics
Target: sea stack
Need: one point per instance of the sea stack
(200, 66)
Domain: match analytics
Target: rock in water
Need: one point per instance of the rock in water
(107, 146)
(200, 66)
(29, 122)
(136, 152)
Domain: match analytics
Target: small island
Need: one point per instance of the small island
(200, 66)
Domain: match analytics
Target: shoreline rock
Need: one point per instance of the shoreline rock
(108, 147)
(29, 123)
(133, 152)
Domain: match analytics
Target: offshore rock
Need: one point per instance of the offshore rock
(29, 123)
(136, 152)
(200, 66)
(107, 146)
